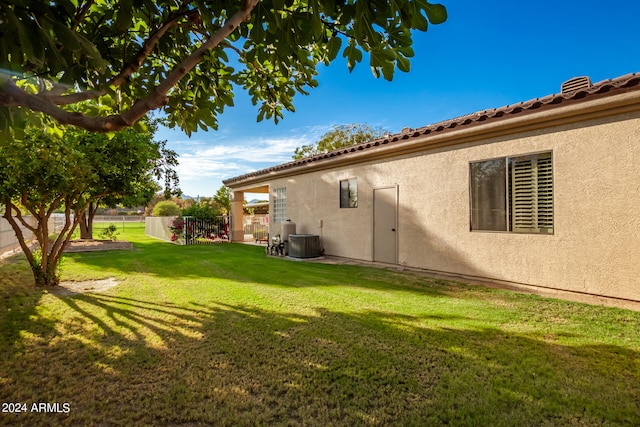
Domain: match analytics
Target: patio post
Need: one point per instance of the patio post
(237, 215)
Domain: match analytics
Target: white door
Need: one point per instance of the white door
(385, 224)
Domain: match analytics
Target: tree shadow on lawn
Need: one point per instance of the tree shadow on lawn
(249, 264)
(126, 361)
(18, 301)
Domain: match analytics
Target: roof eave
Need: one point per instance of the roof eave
(603, 100)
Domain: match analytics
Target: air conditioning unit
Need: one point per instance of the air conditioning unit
(304, 245)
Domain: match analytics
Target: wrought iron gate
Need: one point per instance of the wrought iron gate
(205, 231)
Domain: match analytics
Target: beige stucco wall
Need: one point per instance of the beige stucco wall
(595, 247)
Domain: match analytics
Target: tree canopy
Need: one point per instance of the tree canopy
(103, 64)
(126, 167)
(339, 137)
(42, 174)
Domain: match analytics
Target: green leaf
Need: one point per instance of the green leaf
(436, 13)
(26, 40)
(406, 51)
(257, 33)
(333, 47)
(125, 14)
(67, 37)
(353, 55)
(404, 64)
(388, 68)
(418, 21)
(317, 27)
(385, 54)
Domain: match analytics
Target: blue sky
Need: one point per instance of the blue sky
(487, 55)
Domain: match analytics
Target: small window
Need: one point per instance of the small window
(349, 193)
(280, 205)
(512, 194)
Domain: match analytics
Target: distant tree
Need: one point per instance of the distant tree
(103, 65)
(205, 208)
(126, 169)
(166, 208)
(210, 208)
(223, 198)
(339, 137)
(161, 196)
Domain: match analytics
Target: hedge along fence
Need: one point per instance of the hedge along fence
(9, 243)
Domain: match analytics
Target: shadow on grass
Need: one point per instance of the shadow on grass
(126, 361)
(246, 263)
(18, 301)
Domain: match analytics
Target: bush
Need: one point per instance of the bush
(166, 208)
(110, 233)
(203, 211)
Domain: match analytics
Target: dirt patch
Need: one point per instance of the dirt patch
(96, 245)
(87, 286)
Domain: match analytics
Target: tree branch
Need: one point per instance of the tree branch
(81, 14)
(127, 71)
(13, 96)
(57, 246)
(159, 96)
(16, 229)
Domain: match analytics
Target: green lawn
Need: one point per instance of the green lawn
(223, 335)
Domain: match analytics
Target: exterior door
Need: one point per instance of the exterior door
(385, 224)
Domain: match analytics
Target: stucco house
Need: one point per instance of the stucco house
(544, 194)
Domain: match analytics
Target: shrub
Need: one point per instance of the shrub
(166, 208)
(203, 211)
(177, 229)
(110, 232)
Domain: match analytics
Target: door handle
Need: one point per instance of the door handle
(393, 229)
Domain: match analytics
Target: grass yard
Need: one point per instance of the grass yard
(222, 335)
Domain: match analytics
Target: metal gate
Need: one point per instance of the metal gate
(205, 231)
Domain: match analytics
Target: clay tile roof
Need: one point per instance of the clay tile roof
(613, 86)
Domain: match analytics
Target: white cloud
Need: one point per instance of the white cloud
(260, 151)
(196, 166)
(203, 165)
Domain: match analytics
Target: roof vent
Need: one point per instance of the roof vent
(575, 83)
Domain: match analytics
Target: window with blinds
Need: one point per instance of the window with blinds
(532, 193)
(513, 194)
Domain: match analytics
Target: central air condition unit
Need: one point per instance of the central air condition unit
(304, 245)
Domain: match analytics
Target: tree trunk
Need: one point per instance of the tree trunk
(86, 221)
(43, 263)
(46, 275)
(86, 227)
